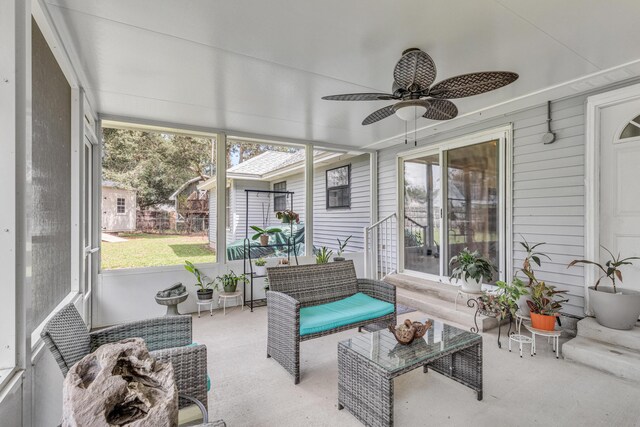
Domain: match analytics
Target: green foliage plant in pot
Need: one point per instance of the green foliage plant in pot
(532, 258)
(229, 281)
(260, 267)
(545, 303)
(288, 216)
(614, 307)
(323, 255)
(263, 234)
(341, 247)
(472, 269)
(504, 302)
(204, 283)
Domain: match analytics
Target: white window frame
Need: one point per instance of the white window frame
(124, 205)
(504, 136)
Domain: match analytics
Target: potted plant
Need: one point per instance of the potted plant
(532, 258)
(204, 283)
(323, 255)
(288, 216)
(261, 269)
(545, 304)
(472, 269)
(263, 234)
(614, 307)
(504, 302)
(341, 247)
(230, 281)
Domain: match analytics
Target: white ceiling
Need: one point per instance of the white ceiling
(261, 67)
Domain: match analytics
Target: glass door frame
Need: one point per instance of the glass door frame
(504, 136)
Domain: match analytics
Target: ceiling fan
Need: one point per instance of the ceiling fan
(412, 78)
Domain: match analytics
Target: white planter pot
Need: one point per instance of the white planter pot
(470, 285)
(617, 311)
(523, 306)
(260, 270)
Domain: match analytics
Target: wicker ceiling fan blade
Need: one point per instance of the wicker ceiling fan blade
(471, 84)
(415, 70)
(360, 97)
(379, 115)
(440, 109)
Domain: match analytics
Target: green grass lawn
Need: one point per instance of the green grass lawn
(150, 250)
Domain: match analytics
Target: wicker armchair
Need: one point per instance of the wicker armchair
(296, 287)
(67, 337)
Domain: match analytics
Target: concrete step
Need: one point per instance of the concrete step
(590, 328)
(427, 287)
(444, 310)
(619, 361)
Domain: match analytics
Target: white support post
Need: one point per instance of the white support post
(308, 199)
(221, 198)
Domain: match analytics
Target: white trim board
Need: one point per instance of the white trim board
(594, 105)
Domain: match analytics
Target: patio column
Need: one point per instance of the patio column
(308, 202)
(221, 198)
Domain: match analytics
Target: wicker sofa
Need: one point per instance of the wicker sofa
(311, 301)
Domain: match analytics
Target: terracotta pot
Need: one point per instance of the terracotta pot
(541, 321)
(264, 239)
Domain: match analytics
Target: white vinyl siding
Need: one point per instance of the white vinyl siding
(256, 200)
(547, 188)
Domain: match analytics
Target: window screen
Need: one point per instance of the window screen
(339, 187)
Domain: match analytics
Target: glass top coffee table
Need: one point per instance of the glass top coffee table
(368, 363)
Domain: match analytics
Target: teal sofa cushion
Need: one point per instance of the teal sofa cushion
(356, 308)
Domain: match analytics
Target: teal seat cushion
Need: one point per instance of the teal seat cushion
(356, 308)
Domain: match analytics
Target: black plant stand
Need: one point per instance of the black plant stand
(248, 265)
(482, 310)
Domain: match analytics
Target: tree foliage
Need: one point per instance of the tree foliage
(157, 164)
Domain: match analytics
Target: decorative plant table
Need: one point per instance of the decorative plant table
(488, 309)
(368, 363)
(204, 303)
(554, 336)
(517, 337)
(224, 296)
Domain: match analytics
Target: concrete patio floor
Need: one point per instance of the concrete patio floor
(250, 390)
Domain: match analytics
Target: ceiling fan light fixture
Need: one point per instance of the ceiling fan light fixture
(411, 112)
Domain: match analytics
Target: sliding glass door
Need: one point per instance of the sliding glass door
(452, 200)
(422, 209)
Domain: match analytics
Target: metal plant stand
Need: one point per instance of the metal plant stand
(248, 265)
(481, 310)
(368, 363)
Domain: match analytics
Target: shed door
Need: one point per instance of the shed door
(620, 185)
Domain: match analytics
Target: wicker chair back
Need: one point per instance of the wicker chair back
(315, 283)
(67, 337)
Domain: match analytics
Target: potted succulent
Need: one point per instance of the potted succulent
(341, 246)
(472, 269)
(532, 258)
(261, 267)
(204, 283)
(230, 281)
(323, 255)
(263, 234)
(288, 216)
(545, 304)
(614, 307)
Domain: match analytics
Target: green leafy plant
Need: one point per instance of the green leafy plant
(532, 257)
(610, 268)
(263, 231)
(470, 265)
(202, 281)
(323, 255)
(545, 299)
(342, 245)
(231, 279)
(260, 262)
(288, 216)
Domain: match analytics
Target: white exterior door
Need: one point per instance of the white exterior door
(620, 185)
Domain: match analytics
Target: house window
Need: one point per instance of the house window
(280, 200)
(632, 130)
(339, 187)
(120, 205)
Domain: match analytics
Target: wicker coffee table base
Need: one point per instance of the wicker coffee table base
(366, 390)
